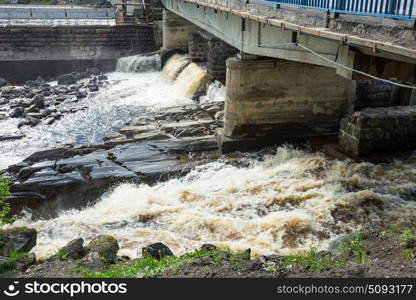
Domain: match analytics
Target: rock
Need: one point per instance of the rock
(73, 249)
(93, 88)
(20, 239)
(94, 70)
(3, 82)
(32, 109)
(102, 77)
(105, 246)
(67, 79)
(49, 121)
(81, 94)
(39, 101)
(11, 137)
(25, 122)
(219, 115)
(17, 112)
(208, 247)
(334, 245)
(157, 250)
(34, 115)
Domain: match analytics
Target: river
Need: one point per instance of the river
(280, 202)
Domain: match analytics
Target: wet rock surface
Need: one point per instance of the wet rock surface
(38, 102)
(147, 150)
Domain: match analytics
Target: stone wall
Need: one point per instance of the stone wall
(383, 129)
(197, 47)
(30, 51)
(218, 53)
(374, 93)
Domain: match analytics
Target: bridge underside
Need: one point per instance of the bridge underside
(277, 91)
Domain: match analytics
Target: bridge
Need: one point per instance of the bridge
(295, 70)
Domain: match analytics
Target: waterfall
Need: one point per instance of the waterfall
(139, 64)
(215, 92)
(175, 65)
(189, 78)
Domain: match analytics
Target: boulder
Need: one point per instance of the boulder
(105, 246)
(39, 102)
(93, 88)
(157, 250)
(20, 239)
(73, 249)
(17, 112)
(3, 82)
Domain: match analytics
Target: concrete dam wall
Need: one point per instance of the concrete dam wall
(28, 52)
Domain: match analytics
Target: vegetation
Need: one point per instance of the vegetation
(408, 238)
(356, 244)
(313, 261)
(61, 255)
(12, 259)
(5, 217)
(408, 254)
(151, 267)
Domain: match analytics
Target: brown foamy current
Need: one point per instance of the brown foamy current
(279, 203)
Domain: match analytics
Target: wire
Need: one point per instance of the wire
(354, 70)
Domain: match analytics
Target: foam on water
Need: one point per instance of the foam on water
(280, 203)
(129, 95)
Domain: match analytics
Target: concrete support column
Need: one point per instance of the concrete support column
(176, 31)
(198, 47)
(218, 53)
(272, 101)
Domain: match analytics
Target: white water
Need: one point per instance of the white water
(282, 203)
(215, 92)
(130, 94)
(139, 64)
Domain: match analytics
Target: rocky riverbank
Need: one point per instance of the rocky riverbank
(147, 150)
(38, 101)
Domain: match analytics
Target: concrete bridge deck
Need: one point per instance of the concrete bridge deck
(379, 46)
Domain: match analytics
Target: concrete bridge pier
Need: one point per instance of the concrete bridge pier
(271, 101)
(176, 31)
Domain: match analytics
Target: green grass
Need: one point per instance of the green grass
(5, 217)
(151, 267)
(408, 238)
(408, 254)
(11, 261)
(311, 260)
(61, 255)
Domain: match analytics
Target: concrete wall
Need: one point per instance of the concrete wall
(175, 31)
(75, 42)
(26, 52)
(276, 98)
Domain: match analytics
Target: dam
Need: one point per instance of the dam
(258, 127)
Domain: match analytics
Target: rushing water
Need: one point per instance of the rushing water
(128, 95)
(283, 202)
(279, 203)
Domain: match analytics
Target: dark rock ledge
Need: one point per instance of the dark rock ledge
(147, 150)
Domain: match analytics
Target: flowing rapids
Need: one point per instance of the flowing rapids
(139, 64)
(129, 95)
(278, 203)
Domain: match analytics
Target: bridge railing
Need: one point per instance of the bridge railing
(403, 9)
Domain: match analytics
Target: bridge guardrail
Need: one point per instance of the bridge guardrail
(401, 9)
